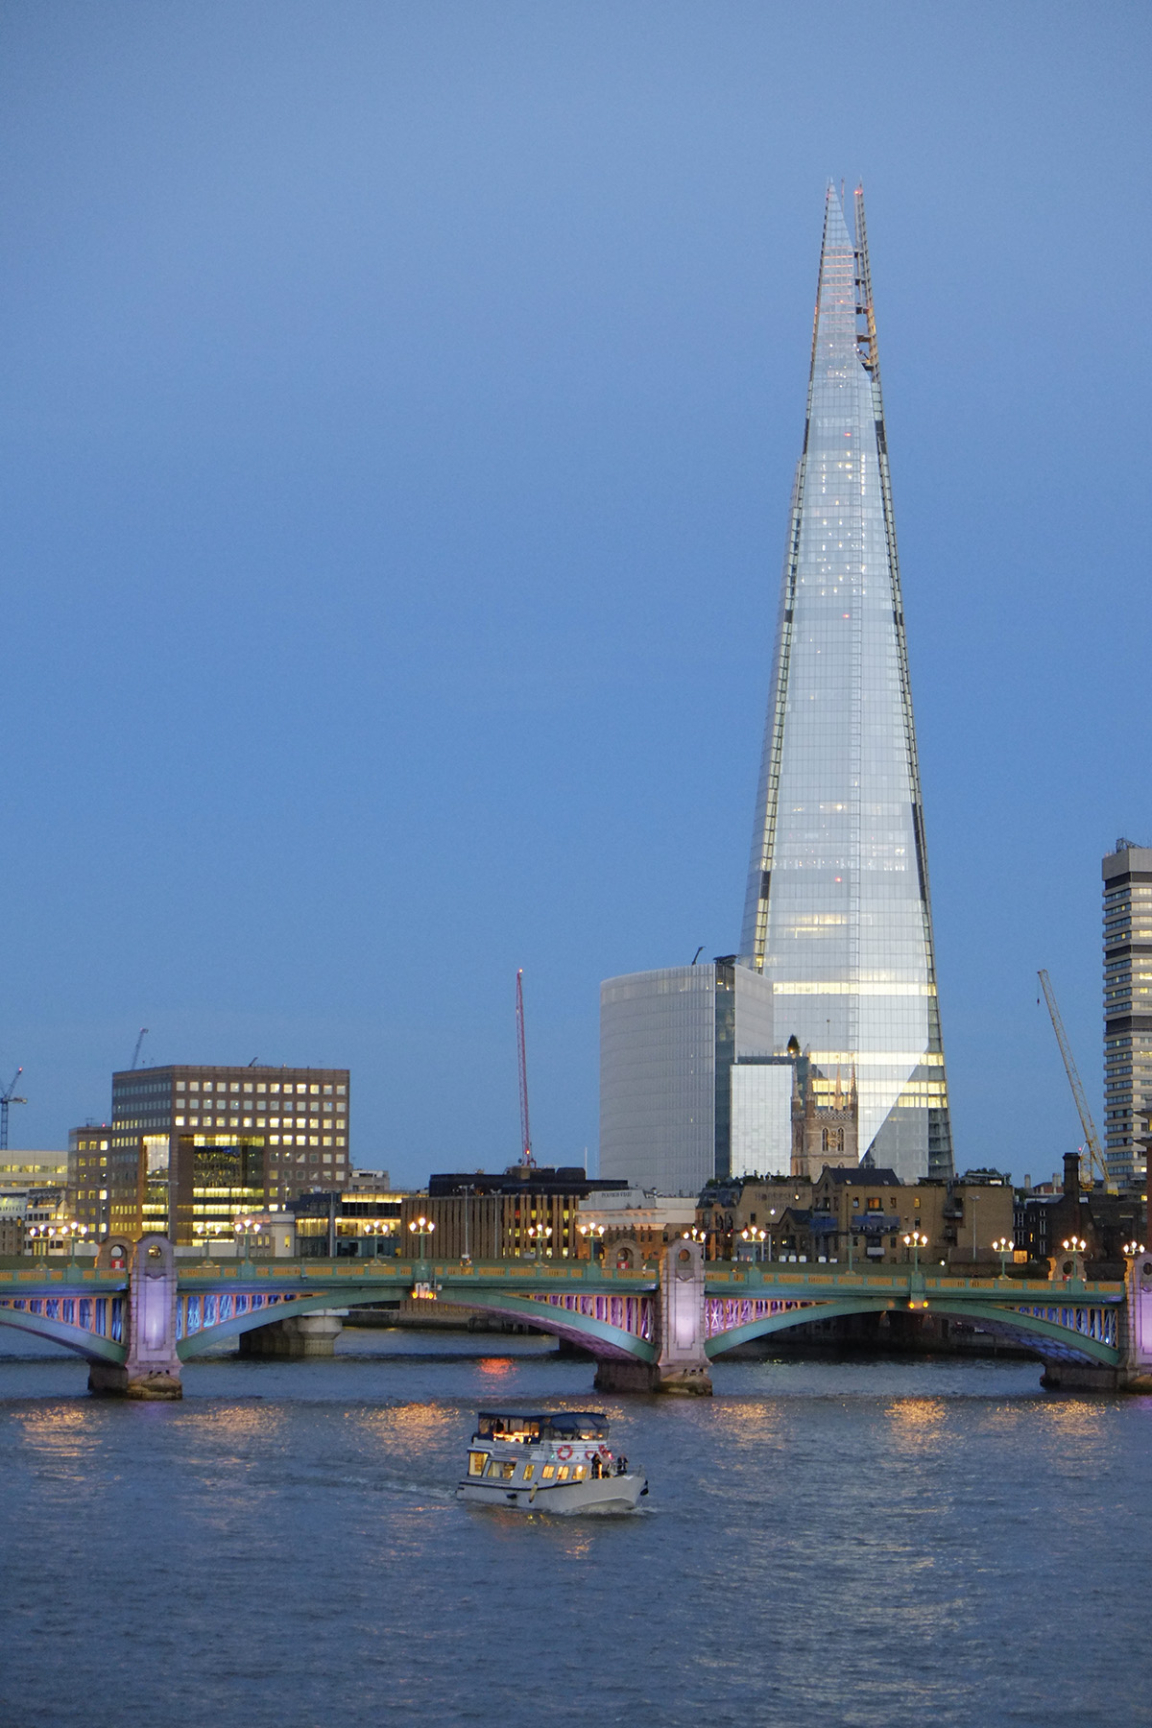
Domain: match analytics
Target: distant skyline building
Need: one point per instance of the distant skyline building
(1127, 874)
(837, 914)
(190, 1148)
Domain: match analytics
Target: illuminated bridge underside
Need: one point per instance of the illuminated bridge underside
(1067, 1330)
(90, 1326)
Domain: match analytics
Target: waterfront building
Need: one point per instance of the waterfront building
(837, 911)
(630, 1226)
(1127, 874)
(860, 1215)
(191, 1148)
(526, 1211)
(20, 1170)
(1047, 1216)
(688, 1075)
(88, 1152)
(363, 1220)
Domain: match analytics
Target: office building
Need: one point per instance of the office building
(1127, 876)
(837, 912)
(189, 1149)
(670, 1042)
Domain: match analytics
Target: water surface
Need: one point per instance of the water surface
(928, 1542)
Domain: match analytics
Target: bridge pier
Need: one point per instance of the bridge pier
(151, 1368)
(298, 1336)
(1136, 1323)
(681, 1364)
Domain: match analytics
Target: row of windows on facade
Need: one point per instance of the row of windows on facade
(299, 1087)
(258, 1122)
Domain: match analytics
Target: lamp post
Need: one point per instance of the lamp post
(1075, 1245)
(593, 1234)
(1003, 1246)
(420, 1228)
(538, 1235)
(756, 1239)
(916, 1240)
(467, 1190)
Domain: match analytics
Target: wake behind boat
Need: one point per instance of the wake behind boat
(559, 1462)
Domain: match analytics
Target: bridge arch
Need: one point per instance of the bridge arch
(89, 1345)
(599, 1337)
(1048, 1338)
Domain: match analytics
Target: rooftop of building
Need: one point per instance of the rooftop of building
(523, 1179)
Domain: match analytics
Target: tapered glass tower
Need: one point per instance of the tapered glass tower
(837, 912)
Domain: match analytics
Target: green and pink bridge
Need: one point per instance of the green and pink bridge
(141, 1313)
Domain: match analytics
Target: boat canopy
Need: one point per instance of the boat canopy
(554, 1425)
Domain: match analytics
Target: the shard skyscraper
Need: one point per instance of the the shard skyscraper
(838, 914)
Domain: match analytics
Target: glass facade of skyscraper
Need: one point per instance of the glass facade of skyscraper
(837, 913)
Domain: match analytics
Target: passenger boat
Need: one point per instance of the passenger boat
(560, 1462)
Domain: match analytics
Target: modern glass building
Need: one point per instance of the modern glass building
(837, 914)
(670, 1043)
(1127, 1009)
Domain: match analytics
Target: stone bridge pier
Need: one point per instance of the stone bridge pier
(151, 1368)
(681, 1364)
(297, 1336)
(1136, 1336)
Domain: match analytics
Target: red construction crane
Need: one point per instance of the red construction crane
(525, 1131)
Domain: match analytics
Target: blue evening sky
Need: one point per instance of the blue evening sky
(400, 404)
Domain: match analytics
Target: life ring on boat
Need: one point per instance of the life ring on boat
(563, 1451)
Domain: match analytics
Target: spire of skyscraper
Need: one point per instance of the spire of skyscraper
(837, 913)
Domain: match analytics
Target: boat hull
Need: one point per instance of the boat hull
(599, 1494)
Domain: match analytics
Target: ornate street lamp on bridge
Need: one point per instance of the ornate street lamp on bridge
(422, 1227)
(916, 1240)
(756, 1238)
(1003, 1245)
(539, 1236)
(594, 1236)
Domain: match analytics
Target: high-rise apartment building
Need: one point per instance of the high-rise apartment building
(1127, 1009)
(837, 913)
(189, 1149)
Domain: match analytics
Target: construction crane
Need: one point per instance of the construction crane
(8, 1096)
(526, 1157)
(136, 1052)
(1093, 1148)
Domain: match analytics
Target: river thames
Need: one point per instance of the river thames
(928, 1542)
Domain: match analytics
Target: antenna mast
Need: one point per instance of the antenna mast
(526, 1157)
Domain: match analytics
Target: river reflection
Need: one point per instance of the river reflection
(844, 1543)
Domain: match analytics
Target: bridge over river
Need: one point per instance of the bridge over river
(141, 1313)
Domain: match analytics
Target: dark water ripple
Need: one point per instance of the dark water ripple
(843, 1544)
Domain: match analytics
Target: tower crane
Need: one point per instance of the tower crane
(8, 1096)
(136, 1052)
(1092, 1139)
(526, 1157)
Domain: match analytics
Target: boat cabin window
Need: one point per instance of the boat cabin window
(562, 1473)
(548, 1472)
(553, 1425)
(505, 1469)
(476, 1462)
(529, 1472)
(579, 1473)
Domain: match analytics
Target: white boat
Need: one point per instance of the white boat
(560, 1462)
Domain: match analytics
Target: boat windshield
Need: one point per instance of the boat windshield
(554, 1425)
